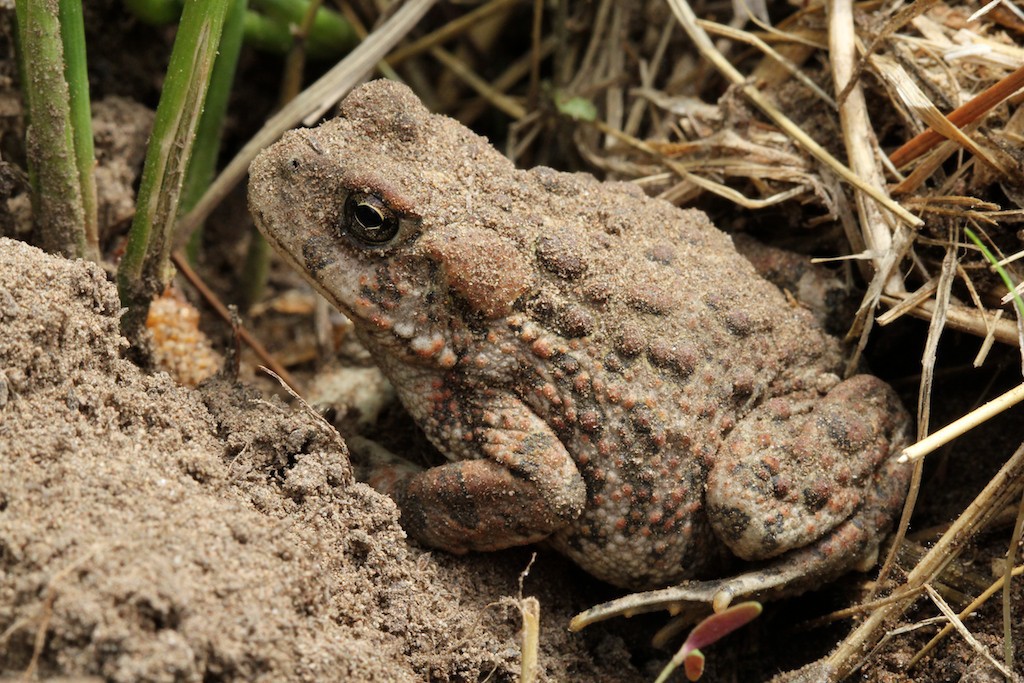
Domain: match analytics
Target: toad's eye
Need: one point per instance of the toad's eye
(369, 220)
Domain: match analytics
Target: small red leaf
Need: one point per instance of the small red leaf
(717, 626)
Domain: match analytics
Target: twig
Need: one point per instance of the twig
(859, 608)
(261, 351)
(783, 61)
(514, 73)
(910, 93)
(960, 117)
(329, 429)
(963, 319)
(924, 397)
(1011, 553)
(964, 613)
(963, 424)
(536, 40)
(964, 633)
(903, 16)
(450, 30)
(500, 100)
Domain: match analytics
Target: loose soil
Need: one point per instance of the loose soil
(151, 532)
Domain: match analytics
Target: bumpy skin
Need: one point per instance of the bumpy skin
(602, 369)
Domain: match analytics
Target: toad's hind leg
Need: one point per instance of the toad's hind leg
(799, 465)
(853, 544)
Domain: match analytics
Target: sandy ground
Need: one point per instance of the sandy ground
(150, 532)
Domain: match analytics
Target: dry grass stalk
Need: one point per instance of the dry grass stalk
(961, 116)
(962, 425)
(1005, 670)
(211, 298)
(1011, 553)
(935, 329)
(1001, 491)
(861, 147)
(963, 614)
(529, 608)
(688, 20)
(962, 319)
(914, 98)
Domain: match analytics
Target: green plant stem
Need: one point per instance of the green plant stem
(266, 34)
(329, 35)
(257, 259)
(269, 27)
(1005, 276)
(145, 269)
(203, 164)
(155, 12)
(57, 208)
(72, 30)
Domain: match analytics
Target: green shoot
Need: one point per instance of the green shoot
(155, 12)
(145, 269)
(270, 26)
(329, 35)
(58, 158)
(203, 164)
(72, 30)
(990, 257)
(576, 108)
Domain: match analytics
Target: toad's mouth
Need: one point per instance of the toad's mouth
(302, 266)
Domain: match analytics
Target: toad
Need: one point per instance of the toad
(601, 369)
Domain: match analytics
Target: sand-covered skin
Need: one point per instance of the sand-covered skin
(602, 369)
(149, 532)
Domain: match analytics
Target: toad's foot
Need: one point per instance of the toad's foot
(375, 465)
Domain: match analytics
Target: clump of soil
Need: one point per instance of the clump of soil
(150, 532)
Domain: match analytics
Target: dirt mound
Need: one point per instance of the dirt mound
(149, 532)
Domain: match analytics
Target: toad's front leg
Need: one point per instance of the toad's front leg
(518, 486)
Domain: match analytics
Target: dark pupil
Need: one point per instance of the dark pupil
(369, 220)
(368, 216)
